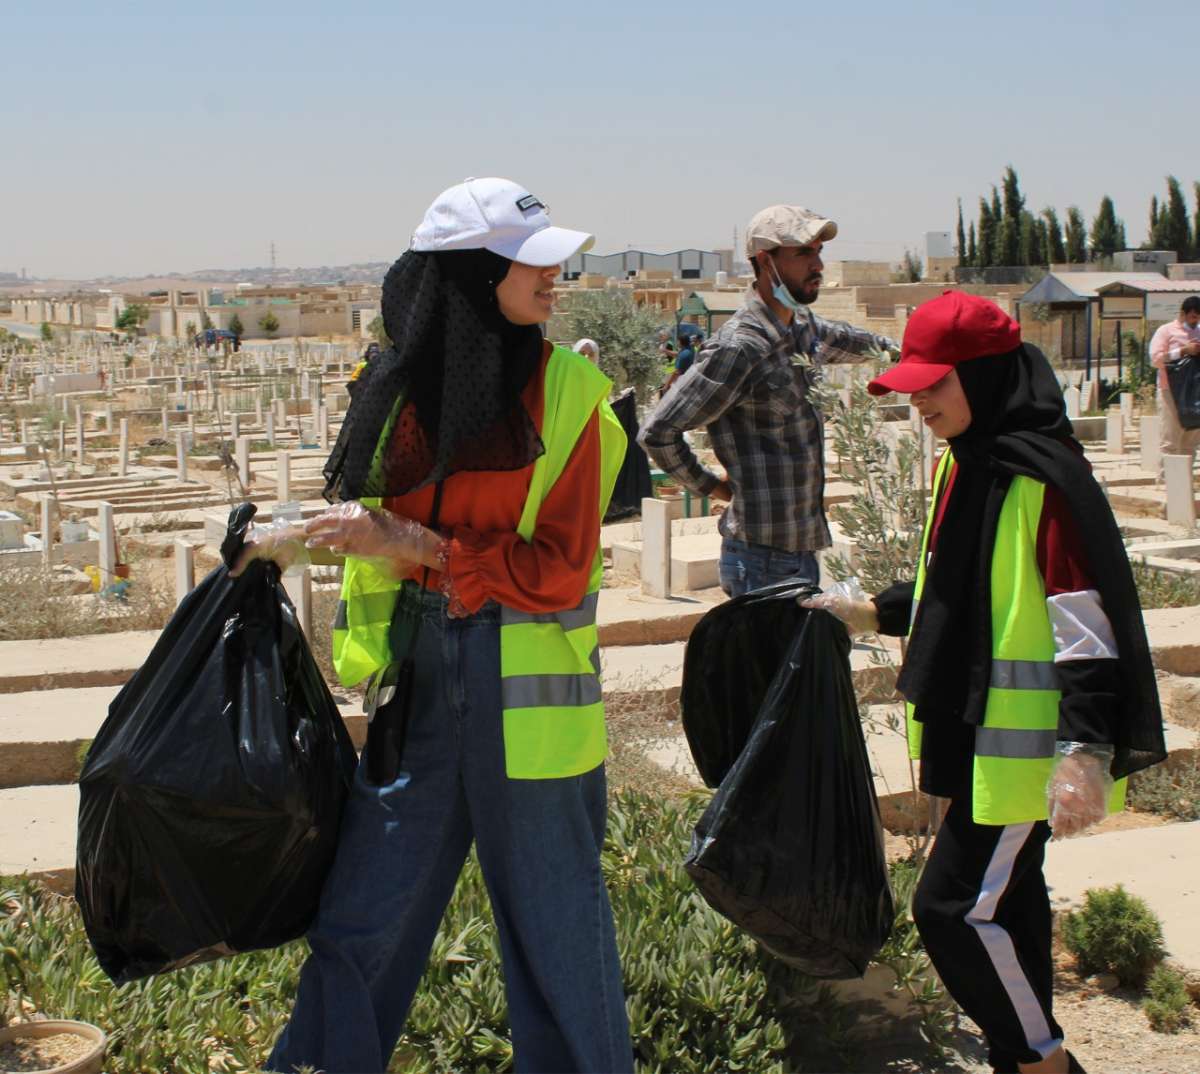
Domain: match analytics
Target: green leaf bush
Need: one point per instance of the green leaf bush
(1114, 932)
(701, 995)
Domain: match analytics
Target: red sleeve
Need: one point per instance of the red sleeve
(549, 573)
(1062, 555)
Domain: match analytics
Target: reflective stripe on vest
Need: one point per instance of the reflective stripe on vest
(550, 661)
(1014, 746)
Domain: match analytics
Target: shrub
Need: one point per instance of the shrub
(1114, 932)
(701, 996)
(1167, 1000)
(1164, 589)
(626, 333)
(1170, 790)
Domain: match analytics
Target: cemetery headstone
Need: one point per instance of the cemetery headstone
(185, 570)
(123, 449)
(1151, 443)
(1181, 496)
(656, 547)
(1114, 432)
(108, 543)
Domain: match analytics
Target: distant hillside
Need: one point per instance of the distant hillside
(261, 276)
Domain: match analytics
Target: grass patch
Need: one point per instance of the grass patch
(35, 606)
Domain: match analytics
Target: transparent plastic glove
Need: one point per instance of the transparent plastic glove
(281, 541)
(1079, 787)
(848, 602)
(350, 529)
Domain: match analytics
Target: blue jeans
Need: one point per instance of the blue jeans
(744, 566)
(401, 850)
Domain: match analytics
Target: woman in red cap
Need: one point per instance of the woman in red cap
(1027, 677)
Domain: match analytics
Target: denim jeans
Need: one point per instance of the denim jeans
(744, 566)
(401, 850)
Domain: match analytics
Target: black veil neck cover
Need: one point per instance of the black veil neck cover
(460, 364)
(1019, 427)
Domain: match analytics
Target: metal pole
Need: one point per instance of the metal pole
(1118, 351)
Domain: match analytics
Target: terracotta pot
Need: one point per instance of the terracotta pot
(92, 1062)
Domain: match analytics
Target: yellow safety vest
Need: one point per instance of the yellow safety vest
(549, 662)
(1014, 746)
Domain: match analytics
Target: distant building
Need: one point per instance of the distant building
(1144, 260)
(300, 311)
(688, 264)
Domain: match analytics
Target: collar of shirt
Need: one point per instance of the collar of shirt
(793, 338)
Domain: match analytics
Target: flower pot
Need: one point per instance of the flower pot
(89, 1061)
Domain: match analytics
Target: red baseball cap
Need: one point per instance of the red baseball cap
(954, 327)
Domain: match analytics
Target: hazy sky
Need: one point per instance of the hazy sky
(140, 142)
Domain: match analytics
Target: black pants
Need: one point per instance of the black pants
(984, 915)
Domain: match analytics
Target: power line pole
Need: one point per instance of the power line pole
(272, 255)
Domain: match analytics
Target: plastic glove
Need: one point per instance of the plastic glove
(350, 529)
(1077, 794)
(281, 541)
(847, 602)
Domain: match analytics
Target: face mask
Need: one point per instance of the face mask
(781, 294)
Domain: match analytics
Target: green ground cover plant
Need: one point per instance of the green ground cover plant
(1170, 790)
(1114, 932)
(702, 997)
(1164, 589)
(1167, 1003)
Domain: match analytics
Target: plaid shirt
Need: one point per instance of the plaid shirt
(750, 387)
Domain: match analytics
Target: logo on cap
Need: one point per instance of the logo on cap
(528, 203)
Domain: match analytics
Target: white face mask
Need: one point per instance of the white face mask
(779, 290)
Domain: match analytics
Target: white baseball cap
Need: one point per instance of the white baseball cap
(497, 215)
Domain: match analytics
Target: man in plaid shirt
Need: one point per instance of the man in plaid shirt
(750, 387)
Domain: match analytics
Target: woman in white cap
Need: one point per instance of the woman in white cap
(473, 470)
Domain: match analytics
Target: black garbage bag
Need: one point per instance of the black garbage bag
(211, 798)
(791, 848)
(1183, 376)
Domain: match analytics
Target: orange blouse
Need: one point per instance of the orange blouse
(488, 560)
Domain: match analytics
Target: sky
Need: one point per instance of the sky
(152, 138)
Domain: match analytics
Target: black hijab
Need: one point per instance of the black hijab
(460, 363)
(1019, 427)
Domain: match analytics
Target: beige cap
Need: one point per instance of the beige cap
(786, 225)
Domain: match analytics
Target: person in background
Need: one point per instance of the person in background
(1176, 339)
(750, 387)
(1027, 677)
(474, 466)
(688, 345)
(589, 349)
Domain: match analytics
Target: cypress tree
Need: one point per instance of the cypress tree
(997, 212)
(1012, 250)
(972, 250)
(1030, 240)
(1055, 251)
(1076, 236)
(1008, 242)
(987, 235)
(1154, 233)
(962, 241)
(1176, 229)
(1196, 224)
(1014, 203)
(1104, 236)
